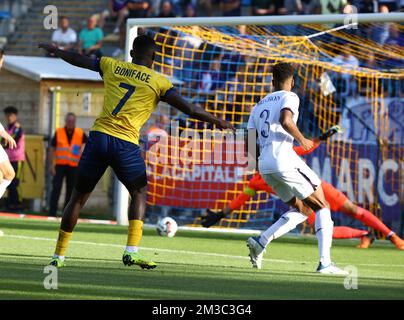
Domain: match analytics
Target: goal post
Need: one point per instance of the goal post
(325, 110)
(268, 20)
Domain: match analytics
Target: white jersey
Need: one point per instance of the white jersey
(276, 145)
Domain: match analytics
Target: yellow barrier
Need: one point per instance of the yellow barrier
(33, 175)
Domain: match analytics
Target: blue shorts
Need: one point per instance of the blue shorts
(103, 151)
(118, 5)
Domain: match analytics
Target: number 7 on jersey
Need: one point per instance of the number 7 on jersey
(131, 90)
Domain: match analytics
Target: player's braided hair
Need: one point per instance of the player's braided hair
(282, 71)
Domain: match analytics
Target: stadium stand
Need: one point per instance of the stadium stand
(30, 28)
(10, 12)
(27, 16)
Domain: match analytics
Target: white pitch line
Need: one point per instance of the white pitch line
(212, 254)
(144, 248)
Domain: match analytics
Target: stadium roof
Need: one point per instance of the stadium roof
(40, 68)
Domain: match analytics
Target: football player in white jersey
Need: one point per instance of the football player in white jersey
(7, 173)
(273, 120)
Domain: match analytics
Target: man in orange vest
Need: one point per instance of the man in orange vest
(65, 151)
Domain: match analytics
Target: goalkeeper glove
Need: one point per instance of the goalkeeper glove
(211, 218)
(330, 132)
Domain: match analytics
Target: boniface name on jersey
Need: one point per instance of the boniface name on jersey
(142, 76)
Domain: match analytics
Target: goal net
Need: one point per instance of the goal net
(345, 76)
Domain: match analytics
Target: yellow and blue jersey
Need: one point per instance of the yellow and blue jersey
(131, 94)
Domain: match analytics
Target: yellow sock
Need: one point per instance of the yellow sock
(62, 243)
(135, 233)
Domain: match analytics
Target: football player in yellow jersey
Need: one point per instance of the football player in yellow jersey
(132, 91)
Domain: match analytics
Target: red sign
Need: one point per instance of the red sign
(187, 175)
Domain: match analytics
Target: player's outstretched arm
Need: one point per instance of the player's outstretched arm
(196, 112)
(290, 127)
(73, 58)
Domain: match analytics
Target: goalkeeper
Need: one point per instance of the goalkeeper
(337, 200)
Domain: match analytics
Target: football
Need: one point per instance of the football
(167, 227)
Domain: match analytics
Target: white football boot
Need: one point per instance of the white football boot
(331, 269)
(256, 252)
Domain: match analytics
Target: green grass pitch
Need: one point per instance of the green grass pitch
(193, 265)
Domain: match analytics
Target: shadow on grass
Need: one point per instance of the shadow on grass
(173, 281)
(54, 226)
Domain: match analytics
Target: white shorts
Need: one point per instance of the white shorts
(3, 155)
(299, 183)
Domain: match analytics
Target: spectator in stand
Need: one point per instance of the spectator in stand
(395, 37)
(395, 42)
(353, 30)
(280, 7)
(306, 6)
(64, 37)
(139, 8)
(158, 131)
(346, 58)
(379, 32)
(327, 6)
(119, 52)
(91, 39)
(345, 81)
(210, 80)
(369, 62)
(230, 8)
(166, 10)
(16, 157)
(204, 8)
(366, 6)
(242, 29)
(178, 6)
(262, 7)
(293, 6)
(349, 9)
(189, 11)
(393, 5)
(269, 7)
(117, 11)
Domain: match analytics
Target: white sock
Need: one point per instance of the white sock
(324, 228)
(3, 187)
(132, 249)
(287, 222)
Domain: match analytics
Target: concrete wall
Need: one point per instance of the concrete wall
(22, 93)
(72, 95)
